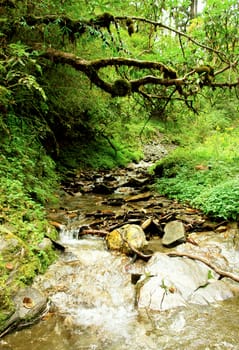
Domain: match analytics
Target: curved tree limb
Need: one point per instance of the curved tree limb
(179, 33)
(91, 70)
(104, 20)
(205, 261)
(163, 75)
(220, 272)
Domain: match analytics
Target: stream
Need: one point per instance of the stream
(90, 288)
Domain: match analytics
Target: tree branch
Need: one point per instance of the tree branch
(91, 70)
(181, 34)
(220, 272)
(104, 21)
(167, 76)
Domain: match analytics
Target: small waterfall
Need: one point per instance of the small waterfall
(67, 235)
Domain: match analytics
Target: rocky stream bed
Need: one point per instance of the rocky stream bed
(136, 271)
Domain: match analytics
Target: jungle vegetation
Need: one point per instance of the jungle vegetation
(87, 83)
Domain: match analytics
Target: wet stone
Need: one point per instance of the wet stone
(173, 282)
(126, 237)
(174, 232)
(30, 304)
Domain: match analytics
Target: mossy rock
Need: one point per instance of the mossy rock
(19, 264)
(30, 304)
(127, 236)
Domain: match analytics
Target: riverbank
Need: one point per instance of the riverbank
(120, 196)
(91, 288)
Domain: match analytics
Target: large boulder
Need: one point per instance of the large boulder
(171, 282)
(126, 237)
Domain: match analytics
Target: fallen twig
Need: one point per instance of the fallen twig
(100, 233)
(220, 272)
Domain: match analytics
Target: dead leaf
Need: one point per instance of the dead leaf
(201, 167)
(9, 266)
(56, 224)
(47, 316)
(192, 241)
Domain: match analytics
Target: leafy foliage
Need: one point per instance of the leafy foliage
(220, 201)
(204, 170)
(28, 180)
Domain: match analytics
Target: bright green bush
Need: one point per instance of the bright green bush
(203, 170)
(220, 201)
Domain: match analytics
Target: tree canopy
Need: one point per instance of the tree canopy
(166, 50)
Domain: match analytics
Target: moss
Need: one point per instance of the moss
(7, 305)
(121, 88)
(96, 154)
(206, 69)
(28, 181)
(104, 20)
(19, 265)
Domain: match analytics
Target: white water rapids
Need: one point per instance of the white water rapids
(94, 299)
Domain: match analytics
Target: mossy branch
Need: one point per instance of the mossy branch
(164, 76)
(105, 19)
(124, 87)
(75, 26)
(177, 32)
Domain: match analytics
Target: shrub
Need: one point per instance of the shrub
(220, 201)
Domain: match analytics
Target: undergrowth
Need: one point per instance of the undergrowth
(203, 169)
(28, 182)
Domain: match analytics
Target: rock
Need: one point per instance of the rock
(216, 291)
(173, 282)
(102, 189)
(154, 294)
(139, 197)
(131, 233)
(136, 182)
(154, 151)
(45, 244)
(152, 226)
(174, 233)
(30, 304)
(7, 240)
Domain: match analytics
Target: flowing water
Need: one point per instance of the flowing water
(93, 302)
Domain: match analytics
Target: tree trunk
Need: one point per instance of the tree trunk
(193, 9)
